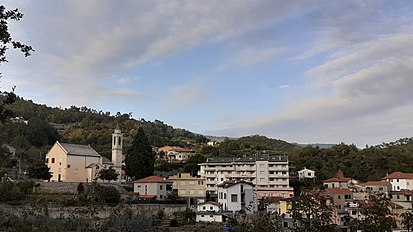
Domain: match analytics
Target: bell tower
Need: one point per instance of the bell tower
(117, 142)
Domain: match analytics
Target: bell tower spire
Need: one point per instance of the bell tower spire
(117, 143)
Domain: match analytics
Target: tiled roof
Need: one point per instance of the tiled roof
(147, 196)
(398, 175)
(106, 160)
(337, 191)
(229, 183)
(153, 179)
(81, 150)
(211, 202)
(336, 179)
(377, 183)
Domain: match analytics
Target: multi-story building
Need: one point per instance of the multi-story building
(237, 195)
(188, 186)
(263, 171)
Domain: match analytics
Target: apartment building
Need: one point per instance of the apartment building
(263, 171)
(188, 186)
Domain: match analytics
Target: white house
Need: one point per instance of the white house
(400, 181)
(237, 195)
(306, 174)
(152, 187)
(209, 212)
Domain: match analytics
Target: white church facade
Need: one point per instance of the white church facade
(81, 163)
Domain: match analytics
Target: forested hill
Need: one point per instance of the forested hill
(82, 125)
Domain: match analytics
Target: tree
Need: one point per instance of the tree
(191, 164)
(108, 174)
(140, 158)
(377, 215)
(407, 220)
(6, 41)
(39, 171)
(311, 212)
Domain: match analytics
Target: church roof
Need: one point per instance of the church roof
(80, 150)
(106, 160)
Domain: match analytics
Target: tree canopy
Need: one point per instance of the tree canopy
(7, 41)
(108, 174)
(140, 159)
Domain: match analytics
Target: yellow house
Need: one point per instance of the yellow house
(188, 186)
(74, 163)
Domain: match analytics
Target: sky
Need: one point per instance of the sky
(306, 71)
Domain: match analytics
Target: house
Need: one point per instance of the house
(364, 191)
(188, 186)
(400, 181)
(338, 182)
(81, 163)
(237, 195)
(176, 154)
(262, 170)
(152, 187)
(209, 212)
(306, 174)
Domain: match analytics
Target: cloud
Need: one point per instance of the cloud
(369, 91)
(250, 57)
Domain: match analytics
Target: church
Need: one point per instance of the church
(81, 163)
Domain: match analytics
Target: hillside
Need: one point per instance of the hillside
(82, 125)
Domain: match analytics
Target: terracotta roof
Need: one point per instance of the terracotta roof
(153, 179)
(336, 179)
(398, 175)
(336, 191)
(147, 196)
(211, 202)
(377, 183)
(229, 183)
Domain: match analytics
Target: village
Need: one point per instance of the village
(230, 188)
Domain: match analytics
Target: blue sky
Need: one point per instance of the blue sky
(302, 71)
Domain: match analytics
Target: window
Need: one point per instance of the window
(203, 207)
(211, 208)
(182, 182)
(191, 182)
(182, 192)
(338, 196)
(119, 140)
(225, 196)
(47, 160)
(52, 160)
(200, 192)
(191, 192)
(160, 187)
(234, 198)
(114, 140)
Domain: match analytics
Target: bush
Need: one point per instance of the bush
(109, 194)
(173, 223)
